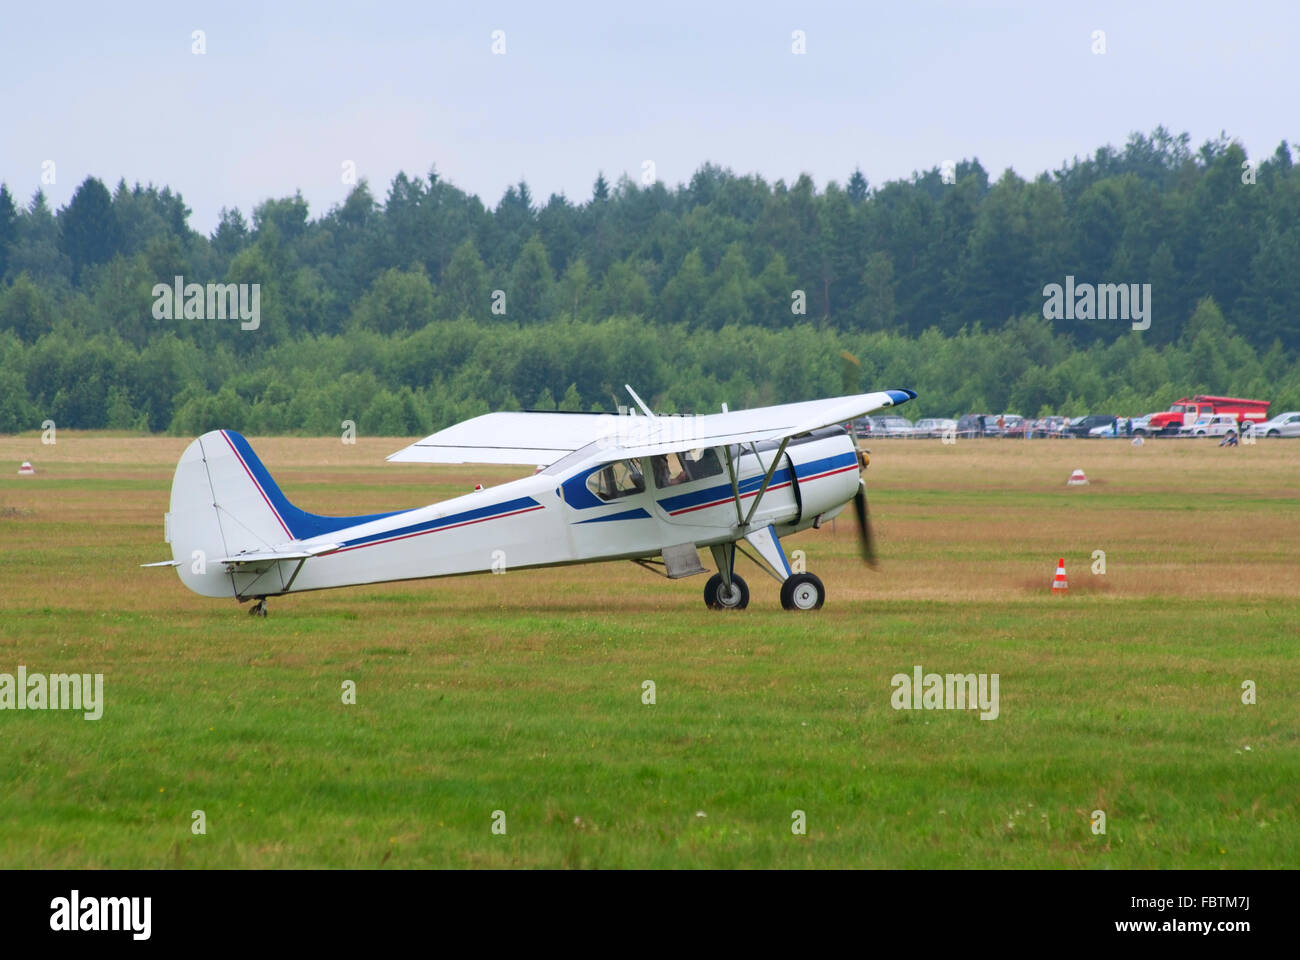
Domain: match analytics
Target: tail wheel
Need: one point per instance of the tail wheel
(803, 591)
(716, 596)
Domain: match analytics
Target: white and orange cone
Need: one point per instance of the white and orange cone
(1059, 583)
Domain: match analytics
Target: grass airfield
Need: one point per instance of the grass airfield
(522, 693)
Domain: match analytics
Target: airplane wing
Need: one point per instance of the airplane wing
(524, 438)
(543, 438)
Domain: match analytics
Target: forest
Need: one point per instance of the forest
(407, 313)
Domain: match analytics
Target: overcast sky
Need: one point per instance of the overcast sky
(283, 97)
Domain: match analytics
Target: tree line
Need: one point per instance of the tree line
(407, 314)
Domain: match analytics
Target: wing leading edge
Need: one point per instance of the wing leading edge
(543, 438)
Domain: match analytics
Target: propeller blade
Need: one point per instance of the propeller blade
(864, 526)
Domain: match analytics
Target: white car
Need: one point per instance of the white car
(1214, 425)
(1109, 429)
(891, 427)
(1283, 425)
(934, 427)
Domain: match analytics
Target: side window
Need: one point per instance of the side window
(620, 479)
(673, 468)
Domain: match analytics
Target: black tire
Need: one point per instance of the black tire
(715, 597)
(1273, 433)
(803, 591)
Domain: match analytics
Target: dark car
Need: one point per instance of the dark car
(1079, 426)
(976, 425)
(1015, 425)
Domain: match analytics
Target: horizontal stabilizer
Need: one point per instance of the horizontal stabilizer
(271, 556)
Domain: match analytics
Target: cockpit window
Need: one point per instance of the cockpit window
(671, 469)
(622, 478)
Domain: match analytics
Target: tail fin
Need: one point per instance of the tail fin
(224, 502)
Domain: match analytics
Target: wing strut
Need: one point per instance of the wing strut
(735, 486)
(767, 478)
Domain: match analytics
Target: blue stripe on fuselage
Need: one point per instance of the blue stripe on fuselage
(467, 516)
(637, 514)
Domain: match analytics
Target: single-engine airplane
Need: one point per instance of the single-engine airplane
(647, 488)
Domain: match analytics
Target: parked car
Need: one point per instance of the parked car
(1055, 426)
(891, 427)
(1214, 425)
(974, 425)
(1112, 429)
(1283, 425)
(1046, 426)
(1014, 425)
(1141, 425)
(862, 427)
(934, 427)
(1082, 426)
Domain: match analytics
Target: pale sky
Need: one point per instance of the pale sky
(284, 96)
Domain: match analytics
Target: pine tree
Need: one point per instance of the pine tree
(88, 229)
(8, 227)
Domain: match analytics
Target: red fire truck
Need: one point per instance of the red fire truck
(1190, 409)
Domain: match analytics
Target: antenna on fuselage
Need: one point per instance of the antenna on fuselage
(639, 402)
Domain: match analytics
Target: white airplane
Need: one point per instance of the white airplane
(651, 489)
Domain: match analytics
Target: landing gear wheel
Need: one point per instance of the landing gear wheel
(258, 609)
(802, 591)
(717, 598)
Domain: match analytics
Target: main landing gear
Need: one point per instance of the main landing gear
(727, 591)
(258, 609)
(802, 591)
(717, 596)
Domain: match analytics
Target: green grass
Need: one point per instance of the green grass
(522, 693)
(1134, 709)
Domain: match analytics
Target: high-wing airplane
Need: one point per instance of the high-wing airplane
(651, 489)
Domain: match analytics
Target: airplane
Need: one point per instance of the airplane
(649, 488)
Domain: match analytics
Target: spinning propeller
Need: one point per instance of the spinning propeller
(861, 509)
(864, 526)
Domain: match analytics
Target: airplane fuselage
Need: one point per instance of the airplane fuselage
(575, 511)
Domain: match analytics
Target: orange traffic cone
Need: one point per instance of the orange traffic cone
(1059, 583)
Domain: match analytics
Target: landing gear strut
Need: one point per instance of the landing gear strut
(258, 609)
